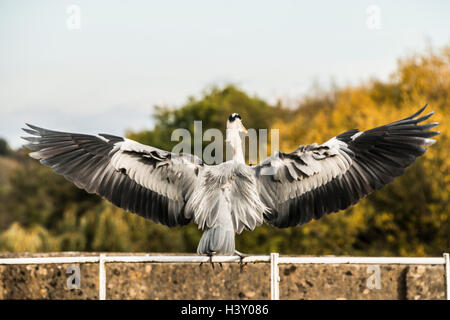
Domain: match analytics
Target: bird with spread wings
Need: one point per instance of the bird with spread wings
(285, 190)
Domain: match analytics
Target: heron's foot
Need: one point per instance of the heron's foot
(210, 255)
(241, 258)
(213, 253)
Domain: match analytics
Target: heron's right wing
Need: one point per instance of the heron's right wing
(150, 182)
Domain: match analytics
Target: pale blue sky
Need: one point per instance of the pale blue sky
(130, 55)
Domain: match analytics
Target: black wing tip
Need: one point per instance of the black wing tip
(436, 132)
(418, 112)
(42, 131)
(111, 137)
(26, 138)
(415, 115)
(29, 131)
(34, 130)
(32, 126)
(425, 117)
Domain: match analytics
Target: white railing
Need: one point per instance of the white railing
(274, 259)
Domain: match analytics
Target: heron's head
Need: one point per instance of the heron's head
(235, 123)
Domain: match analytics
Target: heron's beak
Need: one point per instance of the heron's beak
(243, 129)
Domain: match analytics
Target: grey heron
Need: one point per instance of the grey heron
(285, 190)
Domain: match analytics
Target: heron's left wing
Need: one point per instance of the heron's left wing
(318, 179)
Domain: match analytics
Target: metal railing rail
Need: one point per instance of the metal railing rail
(274, 259)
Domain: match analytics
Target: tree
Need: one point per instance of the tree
(4, 148)
(213, 108)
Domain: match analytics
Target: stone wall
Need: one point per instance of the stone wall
(229, 281)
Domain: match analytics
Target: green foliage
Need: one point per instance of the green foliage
(41, 211)
(4, 148)
(213, 109)
(37, 196)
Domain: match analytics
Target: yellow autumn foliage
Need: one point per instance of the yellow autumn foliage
(421, 197)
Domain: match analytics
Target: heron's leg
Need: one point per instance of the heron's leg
(241, 257)
(210, 258)
(210, 255)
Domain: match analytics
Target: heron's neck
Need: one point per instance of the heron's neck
(234, 139)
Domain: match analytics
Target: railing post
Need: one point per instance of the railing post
(447, 274)
(274, 277)
(102, 278)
